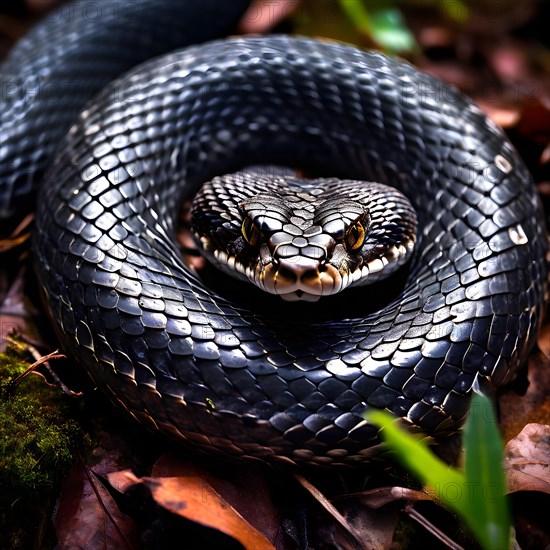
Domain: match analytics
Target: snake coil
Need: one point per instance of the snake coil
(234, 374)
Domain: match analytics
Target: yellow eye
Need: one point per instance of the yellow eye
(355, 236)
(250, 232)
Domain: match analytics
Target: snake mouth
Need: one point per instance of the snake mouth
(298, 279)
(297, 295)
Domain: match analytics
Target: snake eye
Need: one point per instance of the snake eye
(250, 232)
(355, 235)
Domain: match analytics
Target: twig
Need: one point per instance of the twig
(54, 355)
(327, 505)
(431, 528)
(18, 236)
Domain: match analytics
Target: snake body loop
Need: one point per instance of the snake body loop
(231, 372)
(69, 57)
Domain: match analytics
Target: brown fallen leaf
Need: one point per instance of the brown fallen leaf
(506, 116)
(527, 460)
(263, 15)
(121, 480)
(245, 489)
(88, 517)
(535, 118)
(543, 188)
(543, 339)
(192, 498)
(510, 61)
(436, 36)
(516, 411)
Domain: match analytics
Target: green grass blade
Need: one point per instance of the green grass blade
(358, 14)
(415, 455)
(382, 22)
(471, 493)
(488, 512)
(390, 32)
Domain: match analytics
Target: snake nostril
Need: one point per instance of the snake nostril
(286, 275)
(310, 276)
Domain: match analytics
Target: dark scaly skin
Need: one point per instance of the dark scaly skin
(238, 374)
(69, 57)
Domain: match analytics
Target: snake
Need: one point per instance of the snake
(114, 128)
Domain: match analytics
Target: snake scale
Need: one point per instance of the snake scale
(231, 371)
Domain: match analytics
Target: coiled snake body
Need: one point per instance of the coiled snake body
(241, 375)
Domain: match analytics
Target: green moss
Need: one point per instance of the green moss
(37, 439)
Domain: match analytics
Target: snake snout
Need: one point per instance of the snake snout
(302, 278)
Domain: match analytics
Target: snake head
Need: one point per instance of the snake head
(303, 239)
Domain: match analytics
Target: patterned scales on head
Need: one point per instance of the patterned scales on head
(303, 239)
